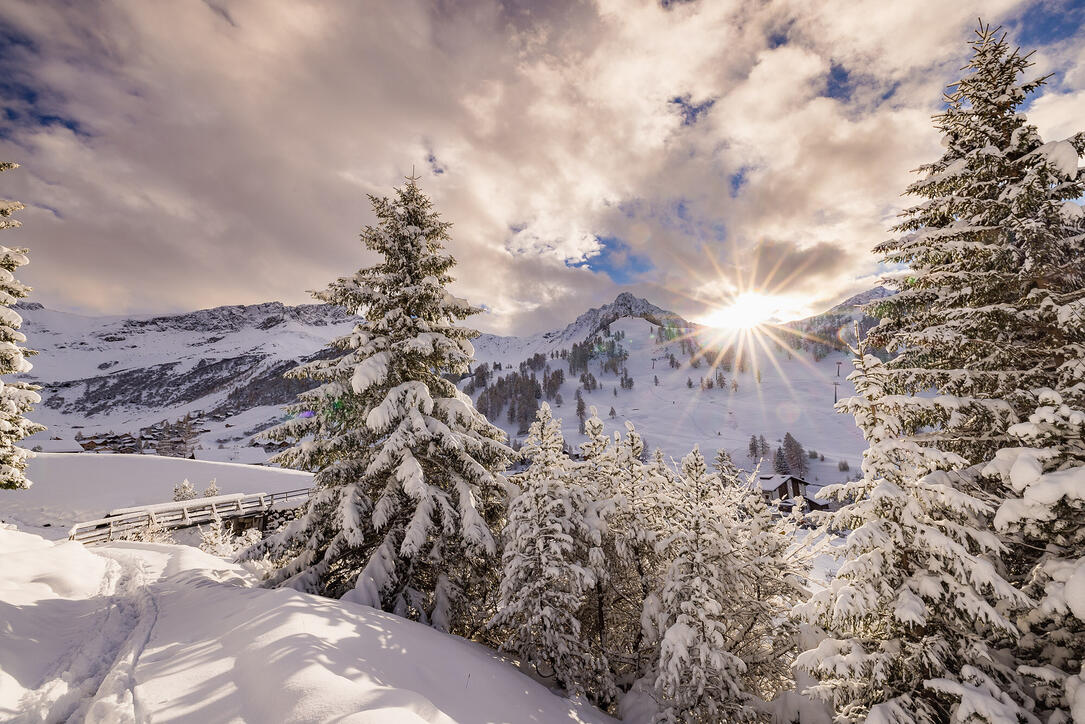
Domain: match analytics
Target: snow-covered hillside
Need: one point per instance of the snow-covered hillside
(114, 374)
(165, 633)
(795, 395)
(72, 487)
(111, 374)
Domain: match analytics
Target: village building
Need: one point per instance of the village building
(781, 490)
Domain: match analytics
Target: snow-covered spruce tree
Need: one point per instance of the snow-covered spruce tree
(996, 266)
(911, 610)
(184, 490)
(546, 575)
(698, 679)
(993, 241)
(773, 567)
(408, 493)
(635, 523)
(1046, 477)
(725, 466)
(1043, 476)
(596, 474)
(16, 398)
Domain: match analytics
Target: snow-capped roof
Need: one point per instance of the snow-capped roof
(768, 483)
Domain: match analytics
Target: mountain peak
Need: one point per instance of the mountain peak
(861, 299)
(625, 305)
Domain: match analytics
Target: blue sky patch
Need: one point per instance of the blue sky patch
(616, 260)
(839, 84)
(1047, 22)
(738, 180)
(434, 166)
(691, 112)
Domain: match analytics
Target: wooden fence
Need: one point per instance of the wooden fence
(183, 514)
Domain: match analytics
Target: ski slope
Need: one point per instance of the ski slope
(795, 395)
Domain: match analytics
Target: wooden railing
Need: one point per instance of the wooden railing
(183, 514)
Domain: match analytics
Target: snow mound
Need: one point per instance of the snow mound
(179, 635)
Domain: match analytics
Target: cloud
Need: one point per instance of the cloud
(192, 154)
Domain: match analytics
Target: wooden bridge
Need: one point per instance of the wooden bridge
(239, 508)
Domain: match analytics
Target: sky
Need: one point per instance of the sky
(191, 154)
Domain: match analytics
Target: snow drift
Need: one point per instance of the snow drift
(139, 632)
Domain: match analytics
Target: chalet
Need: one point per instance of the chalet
(777, 488)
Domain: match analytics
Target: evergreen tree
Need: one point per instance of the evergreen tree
(581, 410)
(763, 445)
(779, 463)
(755, 448)
(635, 524)
(184, 490)
(597, 474)
(546, 575)
(795, 456)
(16, 398)
(912, 610)
(1045, 479)
(992, 243)
(987, 314)
(698, 678)
(725, 467)
(659, 462)
(773, 566)
(408, 492)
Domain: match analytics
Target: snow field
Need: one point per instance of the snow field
(795, 395)
(71, 487)
(164, 633)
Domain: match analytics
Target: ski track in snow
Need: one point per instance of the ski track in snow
(95, 666)
(127, 633)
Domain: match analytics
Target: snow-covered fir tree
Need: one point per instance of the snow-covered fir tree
(596, 474)
(1045, 477)
(697, 678)
(212, 489)
(995, 238)
(1042, 474)
(16, 398)
(912, 609)
(986, 315)
(725, 466)
(659, 462)
(546, 575)
(773, 567)
(184, 490)
(408, 494)
(635, 523)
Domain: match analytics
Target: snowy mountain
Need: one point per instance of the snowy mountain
(860, 300)
(489, 347)
(223, 368)
(827, 332)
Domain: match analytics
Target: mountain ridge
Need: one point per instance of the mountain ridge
(226, 363)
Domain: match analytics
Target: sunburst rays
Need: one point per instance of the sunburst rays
(761, 291)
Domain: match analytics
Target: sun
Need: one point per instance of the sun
(746, 311)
